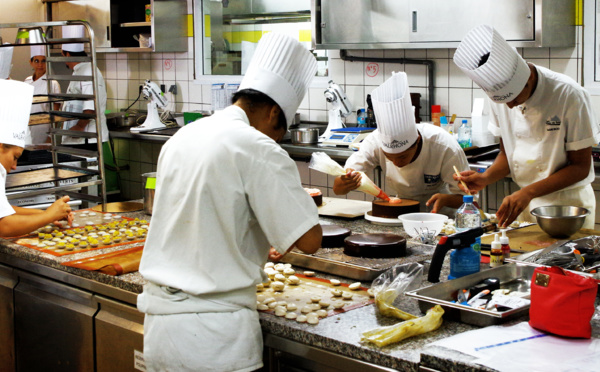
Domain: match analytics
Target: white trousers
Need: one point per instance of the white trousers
(226, 341)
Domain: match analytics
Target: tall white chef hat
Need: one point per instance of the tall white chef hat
(15, 104)
(75, 32)
(395, 114)
(37, 50)
(282, 69)
(5, 61)
(504, 75)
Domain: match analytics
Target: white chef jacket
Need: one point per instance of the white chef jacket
(429, 174)
(557, 118)
(225, 193)
(37, 134)
(5, 208)
(86, 87)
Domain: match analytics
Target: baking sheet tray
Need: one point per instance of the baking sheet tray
(334, 261)
(40, 176)
(513, 277)
(344, 208)
(37, 119)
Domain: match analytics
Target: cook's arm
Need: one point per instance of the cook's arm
(497, 171)
(346, 183)
(82, 123)
(310, 242)
(577, 169)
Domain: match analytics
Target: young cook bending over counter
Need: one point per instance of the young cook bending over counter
(225, 193)
(417, 159)
(15, 104)
(546, 124)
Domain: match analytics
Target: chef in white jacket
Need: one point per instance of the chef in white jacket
(226, 192)
(37, 134)
(83, 87)
(546, 124)
(15, 103)
(417, 159)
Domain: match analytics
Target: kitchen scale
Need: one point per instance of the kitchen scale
(346, 136)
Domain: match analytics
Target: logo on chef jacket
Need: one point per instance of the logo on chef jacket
(395, 144)
(553, 124)
(432, 179)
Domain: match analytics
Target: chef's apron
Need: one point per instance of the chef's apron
(528, 162)
(5, 208)
(410, 183)
(171, 341)
(579, 197)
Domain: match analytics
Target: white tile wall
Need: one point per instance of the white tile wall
(454, 91)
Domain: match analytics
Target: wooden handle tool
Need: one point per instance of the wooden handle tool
(461, 181)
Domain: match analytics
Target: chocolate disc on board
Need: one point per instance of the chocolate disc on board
(375, 245)
(334, 235)
(382, 208)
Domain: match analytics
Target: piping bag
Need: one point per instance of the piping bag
(321, 162)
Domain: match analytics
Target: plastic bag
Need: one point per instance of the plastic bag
(384, 336)
(388, 286)
(321, 162)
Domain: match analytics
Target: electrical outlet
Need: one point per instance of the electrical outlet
(173, 89)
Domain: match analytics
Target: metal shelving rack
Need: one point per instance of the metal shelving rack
(85, 176)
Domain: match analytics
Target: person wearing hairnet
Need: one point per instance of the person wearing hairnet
(38, 134)
(417, 159)
(226, 193)
(546, 125)
(15, 104)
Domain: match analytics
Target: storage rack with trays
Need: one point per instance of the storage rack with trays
(86, 176)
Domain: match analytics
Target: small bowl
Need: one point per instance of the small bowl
(560, 221)
(416, 224)
(304, 136)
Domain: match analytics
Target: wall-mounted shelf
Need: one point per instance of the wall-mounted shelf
(136, 24)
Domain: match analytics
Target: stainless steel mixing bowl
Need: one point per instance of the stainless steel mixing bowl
(560, 221)
(304, 136)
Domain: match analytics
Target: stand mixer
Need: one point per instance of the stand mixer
(340, 107)
(152, 92)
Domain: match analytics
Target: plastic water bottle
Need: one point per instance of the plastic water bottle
(361, 118)
(464, 135)
(467, 216)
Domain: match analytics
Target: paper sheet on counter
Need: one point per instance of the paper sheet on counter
(522, 348)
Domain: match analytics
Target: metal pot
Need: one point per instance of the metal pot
(121, 120)
(149, 182)
(304, 136)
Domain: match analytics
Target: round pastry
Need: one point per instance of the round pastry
(382, 208)
(375, 245)
(334, 235)
(316, 194)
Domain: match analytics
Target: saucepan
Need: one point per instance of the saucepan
(121, 120)
(304, 136)
(149, 182)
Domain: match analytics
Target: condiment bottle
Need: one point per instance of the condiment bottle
(504, 244)
(496, 256)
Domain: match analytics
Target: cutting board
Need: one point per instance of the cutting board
(345, 208)
(532, 238)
